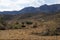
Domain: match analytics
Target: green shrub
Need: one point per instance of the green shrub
(34, 26)
(2, 28)
(29, 22)
(22, 23)
(23, 26)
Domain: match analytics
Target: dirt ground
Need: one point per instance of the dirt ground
(24, 34)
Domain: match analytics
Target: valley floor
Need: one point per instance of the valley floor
(24, 34)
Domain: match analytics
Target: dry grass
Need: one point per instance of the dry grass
(25, 34)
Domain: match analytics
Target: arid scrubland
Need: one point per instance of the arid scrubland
(36, 27)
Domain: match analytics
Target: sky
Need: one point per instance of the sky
(12, 5)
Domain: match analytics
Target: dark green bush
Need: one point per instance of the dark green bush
(34, 26)
(29, 22)
(23, 26)
(22, 23)
(2, 28)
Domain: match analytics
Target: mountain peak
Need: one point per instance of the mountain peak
(44, 8)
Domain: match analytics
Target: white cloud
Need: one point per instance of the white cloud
(18, 4)
(49, 2)
(8, 5)
(58, 1)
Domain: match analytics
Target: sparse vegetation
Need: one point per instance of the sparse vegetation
(50, 23)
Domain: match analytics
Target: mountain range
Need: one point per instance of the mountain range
(44, 8)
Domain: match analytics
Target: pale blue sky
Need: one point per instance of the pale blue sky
(9, 5)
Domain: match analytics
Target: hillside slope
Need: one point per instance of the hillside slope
(49, 22)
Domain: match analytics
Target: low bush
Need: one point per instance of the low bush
(2, 28)
(29, 22)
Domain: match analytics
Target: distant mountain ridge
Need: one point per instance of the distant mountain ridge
(50, 8)
(44, 8)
